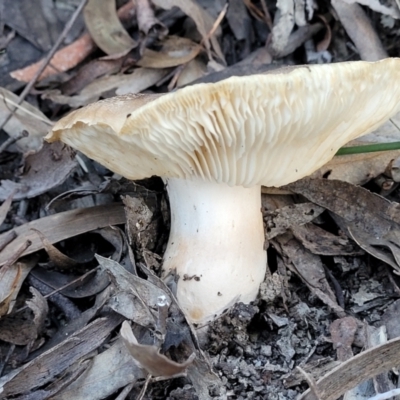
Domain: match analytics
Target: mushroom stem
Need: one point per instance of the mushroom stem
(216, 246)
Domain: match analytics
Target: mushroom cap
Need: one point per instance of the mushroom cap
(265, 129)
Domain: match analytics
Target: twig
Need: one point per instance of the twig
(311, 383)
(46, 61)
(144, 388)
(12, 140)
(127, 389)
(63, 287)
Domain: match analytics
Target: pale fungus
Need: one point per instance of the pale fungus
(216, 144)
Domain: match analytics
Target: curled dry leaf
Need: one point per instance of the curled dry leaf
(147, 21)
(69, 56)
(204, 22)
(108, 33)
(309, 268)
(140, 79)
(64, 59)
(175, 51)
(22, 328)
(149, 357)
(56, 256)
(46, 169)
(62, 226)
(110, 370)
(26, 117)
(53, 362)
(370, 220)
(11, 280)
(135, 298)
(357, 369)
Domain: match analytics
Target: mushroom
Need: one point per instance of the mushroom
(216, 144)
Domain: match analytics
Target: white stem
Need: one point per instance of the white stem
(216, 245)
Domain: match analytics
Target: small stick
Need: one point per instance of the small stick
(46, 61)
(311, 382)
(12, 140)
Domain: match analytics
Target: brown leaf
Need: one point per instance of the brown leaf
(175, 51)
(56, 256)
(105, 27)
(150, 358)
(62, 226)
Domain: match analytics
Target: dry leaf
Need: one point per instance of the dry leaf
(57, 257)
(149, 357)
(283, 25)
(26, 117)
(175, 51)
(77, 287)
(281, 219)
(309, 268)
(321, 242)
(204, 22)
(147, 21)
(62, 226)
(389, 7)
(371, 221)
(105, 27)
(359, 27)
(11, 279)
(357, 169)
(23, 327)
(109, 371)
(140, 79)
(357, 369)
(46, 169)
(5, 207)
(53, 362)
(126, 281)
(140, 229)
(192, 71)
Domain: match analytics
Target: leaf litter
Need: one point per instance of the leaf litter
(77, 264)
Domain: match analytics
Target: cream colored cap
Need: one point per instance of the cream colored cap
(268, 129)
